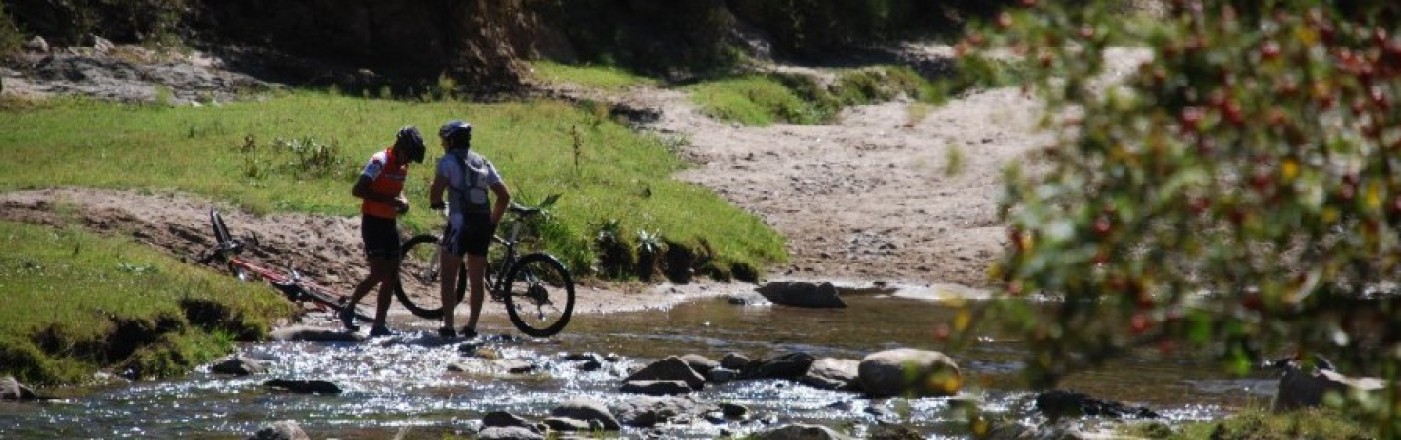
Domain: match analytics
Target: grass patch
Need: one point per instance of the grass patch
(974, 72)
(124, 306)
(598, 77)
(302, 151)
(796, 98)
(1316, 423)
(753, 100)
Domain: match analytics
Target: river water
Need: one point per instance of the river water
(402, 386)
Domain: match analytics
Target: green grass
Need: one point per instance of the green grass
(307, 147)
(795, 98)
(69, 292)
(598, 77)
(753, 100)
(1318, 423)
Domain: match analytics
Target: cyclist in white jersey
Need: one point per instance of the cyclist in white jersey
(470, 179)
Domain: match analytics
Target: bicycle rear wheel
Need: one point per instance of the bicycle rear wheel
(418, 287)
(539, 295)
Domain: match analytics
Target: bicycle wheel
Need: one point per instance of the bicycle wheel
(539, 295)
(418, 282)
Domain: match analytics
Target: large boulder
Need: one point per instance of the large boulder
(909, 371)
(671, 368)
(1057, 404)
(833, 374)
(588, 411)
(1302, 387)
(238, 366)
(802, 294)
(646, 412)
(11, 389)
(789, 366)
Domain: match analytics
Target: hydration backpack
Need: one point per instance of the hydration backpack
(471, 193)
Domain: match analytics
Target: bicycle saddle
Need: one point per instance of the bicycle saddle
(522, 210)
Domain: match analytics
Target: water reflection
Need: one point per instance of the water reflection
(415, 385)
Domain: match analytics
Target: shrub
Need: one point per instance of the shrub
(1238, 195)
(11, 38)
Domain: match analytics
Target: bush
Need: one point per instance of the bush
(1239, 195)
(11, 38)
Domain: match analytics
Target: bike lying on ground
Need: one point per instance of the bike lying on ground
(537, 289)
(227, 251)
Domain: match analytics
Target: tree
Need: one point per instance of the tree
(1238, 194)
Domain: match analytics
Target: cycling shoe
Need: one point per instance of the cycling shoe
(447, 332)
(347, 317)
(380, 330)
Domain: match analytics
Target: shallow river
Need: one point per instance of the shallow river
(401, 385)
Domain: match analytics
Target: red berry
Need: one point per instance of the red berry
(1139, 323)
(1004, 20)
(1102, 225)
(1270, 50)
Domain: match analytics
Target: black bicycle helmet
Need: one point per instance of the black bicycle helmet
(457, 133)
(410, 143)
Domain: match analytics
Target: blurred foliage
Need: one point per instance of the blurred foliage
(1236, 195)
(812, 28)
(11, 38)
(683, 39)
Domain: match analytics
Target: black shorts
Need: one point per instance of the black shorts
(381, 236)
(473, 239)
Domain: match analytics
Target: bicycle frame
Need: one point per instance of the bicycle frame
(494, 282)
(289, 282)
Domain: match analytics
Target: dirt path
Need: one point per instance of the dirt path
(871, 197)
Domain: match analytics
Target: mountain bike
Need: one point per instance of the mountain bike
(537, 289)
(227, 252)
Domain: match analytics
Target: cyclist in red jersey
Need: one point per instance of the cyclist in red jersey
(380, 189)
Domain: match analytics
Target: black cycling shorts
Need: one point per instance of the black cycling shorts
(473, 239)
(381, 236)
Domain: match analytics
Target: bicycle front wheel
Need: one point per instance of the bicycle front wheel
(418, 289)
(539, 295)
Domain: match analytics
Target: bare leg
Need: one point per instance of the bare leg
(388, 280)
(363, 288)
(476, 274)
(449, 265)
(378, 268)
(382, 274)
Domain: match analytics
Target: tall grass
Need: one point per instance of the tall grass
(608, 173)
(67, 291)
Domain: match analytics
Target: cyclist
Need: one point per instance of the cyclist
(472, 219)
(380, 189)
